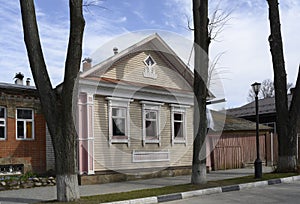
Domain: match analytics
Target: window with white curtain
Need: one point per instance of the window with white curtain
(118, 120)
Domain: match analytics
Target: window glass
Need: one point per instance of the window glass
(119, 112)
(20, 129)
(29, 130)
(151, 129)
(24, 114)
(178, 129)
(151, 115)
(2, 112)
(178, 116)
(119, 127)
(2, 132)
(119, 121)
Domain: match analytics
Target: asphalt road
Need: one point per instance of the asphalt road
(278, 193)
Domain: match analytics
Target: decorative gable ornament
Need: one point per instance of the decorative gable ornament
(149, 71)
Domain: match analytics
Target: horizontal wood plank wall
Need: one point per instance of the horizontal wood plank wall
(131, 69)
(119, 156)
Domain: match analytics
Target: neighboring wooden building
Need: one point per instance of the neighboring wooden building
(22, 129)
(234, 144)
(267, 116)
(136, 112)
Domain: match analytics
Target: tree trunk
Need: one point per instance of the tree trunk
(67, 187)
(66, 157)
(57, 103)
(201, 42)
(286, 120)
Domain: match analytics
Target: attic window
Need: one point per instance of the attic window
(149, 61)
(149, 71)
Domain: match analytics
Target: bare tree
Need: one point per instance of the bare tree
(267, 90)
(201, 44)
(57, 103)
(287, 117)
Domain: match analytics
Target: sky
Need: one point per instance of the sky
(243, 41)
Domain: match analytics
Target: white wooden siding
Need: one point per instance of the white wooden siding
(131, 69)
(119, 156)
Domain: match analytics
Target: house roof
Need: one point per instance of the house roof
(154, 42)
(265, 106)
(225, 122)
(18, 89)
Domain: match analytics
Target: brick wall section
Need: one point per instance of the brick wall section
(31, 153)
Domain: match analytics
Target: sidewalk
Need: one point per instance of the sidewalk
(33, 195)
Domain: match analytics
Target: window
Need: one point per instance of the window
(25, 125)
(151, 127)
(151, 124)
(149, 71)
(118, 121)
(178, 125)
(178, 117)
(2, 123)
(149, 61)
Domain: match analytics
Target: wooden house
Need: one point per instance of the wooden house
(135, 113)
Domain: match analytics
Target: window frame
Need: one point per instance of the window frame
(149, 71)
(4, 123)
(122, 103)
(25, 123)
(146, 107)
(179, 109)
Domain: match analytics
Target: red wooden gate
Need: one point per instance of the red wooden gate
(227, 157)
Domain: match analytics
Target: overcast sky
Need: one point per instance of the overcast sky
(246, 57)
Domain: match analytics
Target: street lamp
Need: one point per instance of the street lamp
(257, 163)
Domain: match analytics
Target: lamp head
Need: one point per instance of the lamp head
(256, 87)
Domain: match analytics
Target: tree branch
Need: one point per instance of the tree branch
(36, 58)
(74, 55)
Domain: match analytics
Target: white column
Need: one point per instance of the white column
(90, 132)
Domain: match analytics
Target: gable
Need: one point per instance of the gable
(133, 68)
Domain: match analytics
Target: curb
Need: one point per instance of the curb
(208, 191)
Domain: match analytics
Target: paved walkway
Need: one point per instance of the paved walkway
(33, 195)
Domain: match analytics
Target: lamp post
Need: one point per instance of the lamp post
(257, 163)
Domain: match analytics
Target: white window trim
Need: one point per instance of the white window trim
(114, 102)
(25, 120)
(4, 125)
(175, 108)
(149, 105)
